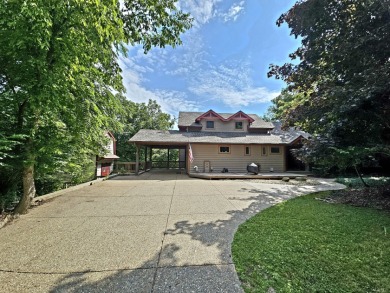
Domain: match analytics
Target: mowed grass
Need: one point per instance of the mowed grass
(307, 245)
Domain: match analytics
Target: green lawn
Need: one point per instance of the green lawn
(307, 245)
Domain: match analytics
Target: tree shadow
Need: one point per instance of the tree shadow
(171, 270)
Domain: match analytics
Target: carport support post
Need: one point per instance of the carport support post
(137, 159)
(146, 157)
(150, 157)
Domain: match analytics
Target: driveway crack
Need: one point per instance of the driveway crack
(163, 239)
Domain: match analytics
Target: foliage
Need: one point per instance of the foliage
(58, 76)
(139, 116)
(356, 182)
(338, 87)
(307, 245)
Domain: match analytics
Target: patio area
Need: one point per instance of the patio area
(265, 175)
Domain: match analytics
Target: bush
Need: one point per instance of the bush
(355, 182)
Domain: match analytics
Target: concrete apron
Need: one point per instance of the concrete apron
(158, 232)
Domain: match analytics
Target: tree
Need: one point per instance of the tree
(338, 88)
(59, 72)
(139, 116)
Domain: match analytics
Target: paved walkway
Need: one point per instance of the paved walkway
(152, 233)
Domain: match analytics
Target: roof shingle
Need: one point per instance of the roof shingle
(179, 137)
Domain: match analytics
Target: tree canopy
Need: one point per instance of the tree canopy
(338, 83)
(59, 75)
(139, 116)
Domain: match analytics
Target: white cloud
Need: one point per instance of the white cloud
(175, 101)
(204, 10)
(232, 85)
(233, 13)
(171, 101)
(201, 10)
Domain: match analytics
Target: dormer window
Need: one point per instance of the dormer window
(239, 125)
(209, 124)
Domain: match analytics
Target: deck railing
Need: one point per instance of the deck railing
(129, 167)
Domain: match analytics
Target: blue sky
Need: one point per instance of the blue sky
(222, 64)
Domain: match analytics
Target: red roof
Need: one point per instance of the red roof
(210, 114)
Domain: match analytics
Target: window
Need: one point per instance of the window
(224, 149)
(275, 150)
(263, 151)
(209, 124)
(239, 125)
(247, 151)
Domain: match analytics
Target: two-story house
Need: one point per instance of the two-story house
(214, 142)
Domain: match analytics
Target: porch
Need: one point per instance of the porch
(264, 175)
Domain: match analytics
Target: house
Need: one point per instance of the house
(216, 142)
(105, 164)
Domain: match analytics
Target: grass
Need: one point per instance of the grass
(307, 245)
(355, 182)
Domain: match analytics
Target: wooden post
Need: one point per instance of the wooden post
(168, 160)
(146, 157)
(137, 159)
(150, 156)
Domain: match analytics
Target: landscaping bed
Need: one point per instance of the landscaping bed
(311, 245)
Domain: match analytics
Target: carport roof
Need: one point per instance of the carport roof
(149, 137)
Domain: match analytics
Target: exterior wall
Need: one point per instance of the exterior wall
(110, 146)
(98, 169)
(236, 160)
(225, 126)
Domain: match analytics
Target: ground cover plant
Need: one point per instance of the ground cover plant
(311, 245)
(357, 182)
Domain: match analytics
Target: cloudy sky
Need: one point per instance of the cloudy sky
(222, 64)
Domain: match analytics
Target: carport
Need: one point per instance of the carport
(169, 140)
(171, 161)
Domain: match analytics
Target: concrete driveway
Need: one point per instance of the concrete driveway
(158, 232)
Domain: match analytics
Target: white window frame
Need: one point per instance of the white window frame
(224, 146)
(210, 127)
(264, 151)
(247, 147)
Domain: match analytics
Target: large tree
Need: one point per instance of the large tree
(338, 85)
(59, 73)
(139, 116)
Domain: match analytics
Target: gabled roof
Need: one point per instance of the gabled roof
(189, 119)
(210, 114)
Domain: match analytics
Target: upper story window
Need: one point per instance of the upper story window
(209, 124)
(239, 125)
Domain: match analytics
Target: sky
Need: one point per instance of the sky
(222, 64)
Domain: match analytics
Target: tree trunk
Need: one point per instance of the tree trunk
(361, 177)
(28, 190)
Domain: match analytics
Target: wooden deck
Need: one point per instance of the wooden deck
(265, 175)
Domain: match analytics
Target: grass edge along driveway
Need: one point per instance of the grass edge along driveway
(307, 245)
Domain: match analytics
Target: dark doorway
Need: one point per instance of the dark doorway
(292, 163)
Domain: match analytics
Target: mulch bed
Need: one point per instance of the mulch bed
(373, 197)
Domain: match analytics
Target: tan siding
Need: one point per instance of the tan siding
(236, 161)
(222, 126)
